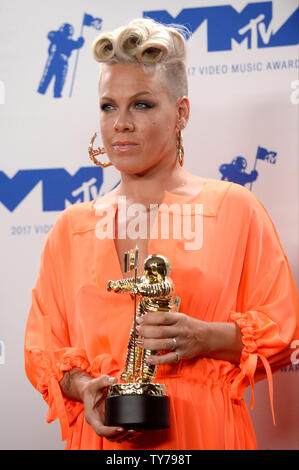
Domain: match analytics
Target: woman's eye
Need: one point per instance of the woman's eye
(143, 105)
(107, 107)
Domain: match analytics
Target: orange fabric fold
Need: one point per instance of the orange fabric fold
(57, 407)
(104, 364)
(249, 360)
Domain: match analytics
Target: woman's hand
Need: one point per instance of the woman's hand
(185, 337)
(94, 395)
(76, 384)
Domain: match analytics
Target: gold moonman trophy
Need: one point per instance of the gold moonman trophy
(138, 402)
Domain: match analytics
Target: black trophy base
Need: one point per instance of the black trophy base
(137, 411)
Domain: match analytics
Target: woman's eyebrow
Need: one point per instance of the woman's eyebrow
(131, 97)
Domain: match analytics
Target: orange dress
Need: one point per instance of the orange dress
(240, 274)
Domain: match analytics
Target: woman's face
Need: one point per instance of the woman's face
(138, 119)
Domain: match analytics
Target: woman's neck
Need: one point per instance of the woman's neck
(149, 187)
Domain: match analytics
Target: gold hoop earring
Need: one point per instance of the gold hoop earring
(98, 151)
(180, 148)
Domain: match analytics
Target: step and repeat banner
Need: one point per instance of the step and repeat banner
(244, 89)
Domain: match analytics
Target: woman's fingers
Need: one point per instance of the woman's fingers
(156, 344)
(127, 435)
(159, 318)
(181, 336)
(161, 325)
(167, 358)
(94, 408)
(158, 332)
(102, 382)
(112, 432)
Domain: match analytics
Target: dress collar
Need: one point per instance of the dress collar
(206, 202)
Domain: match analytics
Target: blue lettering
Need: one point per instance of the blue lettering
(58, 186)
(252, 24)
(14, 190)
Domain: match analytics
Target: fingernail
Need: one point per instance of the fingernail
(120, 429)
(111, 379)
(139, 320)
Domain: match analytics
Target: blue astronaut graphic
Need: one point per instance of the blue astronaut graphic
(235, 171)
(60, 50)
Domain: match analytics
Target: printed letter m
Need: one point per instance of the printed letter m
(225, 24)
(58, 186)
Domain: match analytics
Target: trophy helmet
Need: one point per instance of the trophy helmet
(156, 268)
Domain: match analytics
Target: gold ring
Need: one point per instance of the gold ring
(174, 344)
(177, 356)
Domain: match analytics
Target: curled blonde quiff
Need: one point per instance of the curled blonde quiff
(153, 46)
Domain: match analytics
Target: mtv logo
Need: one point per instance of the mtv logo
(226, 26)
(59, 187)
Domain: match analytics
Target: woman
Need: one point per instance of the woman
(238, 310)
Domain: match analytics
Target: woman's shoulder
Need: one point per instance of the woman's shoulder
(239, 202)
(231, 192)
(214, 186)
(232, 199)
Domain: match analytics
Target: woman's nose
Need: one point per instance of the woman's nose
(123, 122)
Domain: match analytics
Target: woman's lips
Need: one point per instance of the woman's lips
(124, 146)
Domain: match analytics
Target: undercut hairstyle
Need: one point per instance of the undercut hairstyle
(153, 46)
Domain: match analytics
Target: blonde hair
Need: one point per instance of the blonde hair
(151, 45)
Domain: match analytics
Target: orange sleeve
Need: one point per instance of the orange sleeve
(47, 345)
(267, 305)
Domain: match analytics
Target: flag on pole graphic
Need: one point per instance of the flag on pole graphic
(89, 20)
(264, 154)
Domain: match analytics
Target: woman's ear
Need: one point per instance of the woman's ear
(183, 112)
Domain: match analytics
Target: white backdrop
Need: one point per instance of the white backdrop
(244, 91)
